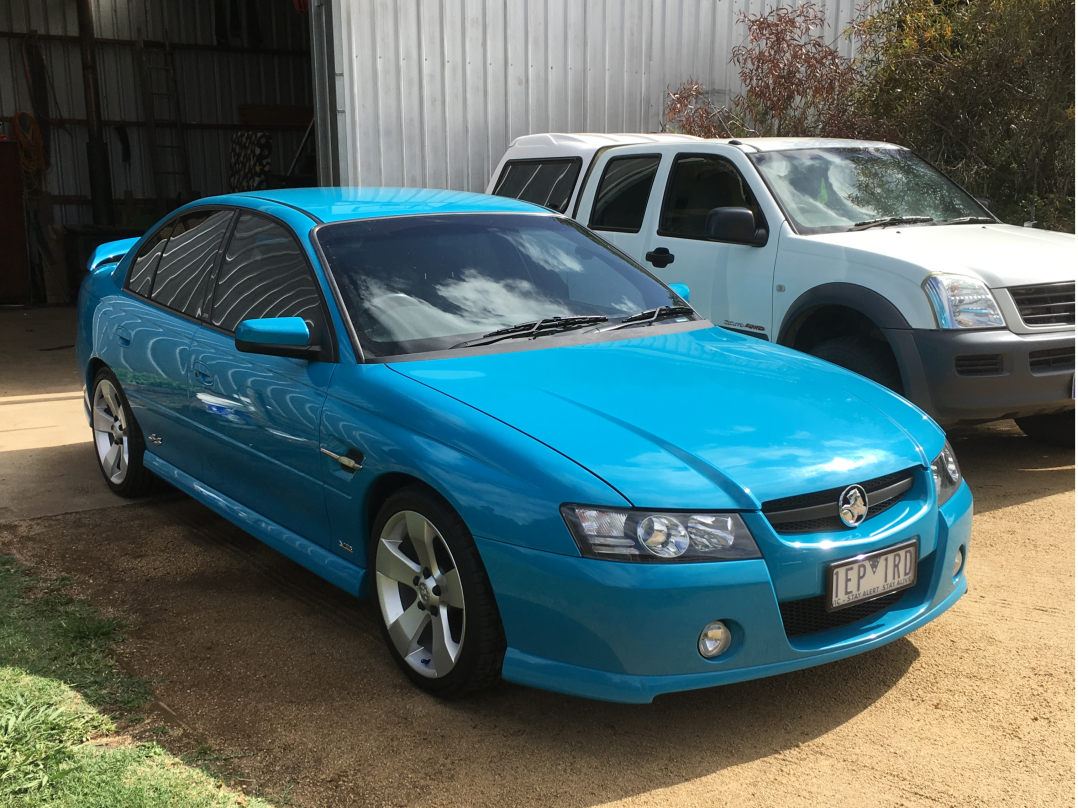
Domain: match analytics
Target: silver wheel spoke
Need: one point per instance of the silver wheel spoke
(452, 592)
(392, 563)
(111, 461)
(421, 532)
(405, 630)
(109, 392)
(102, 420)
(444, 651)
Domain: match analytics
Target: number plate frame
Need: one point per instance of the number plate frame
(894, 548)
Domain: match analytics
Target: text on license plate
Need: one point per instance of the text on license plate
(871, 575)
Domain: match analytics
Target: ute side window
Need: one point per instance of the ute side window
(548, 183)
(140, 276)
(621, 200)
(188, 257)
(265, 274)
(698, 184)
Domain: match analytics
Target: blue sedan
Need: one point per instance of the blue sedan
(535, 457)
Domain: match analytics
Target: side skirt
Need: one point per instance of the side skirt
(336, 570)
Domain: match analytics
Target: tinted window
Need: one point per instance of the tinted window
(264, 274)
(140, 276)
(622, 198)
(548, 183)
(700, 183)
(425, 283)
(187, 260)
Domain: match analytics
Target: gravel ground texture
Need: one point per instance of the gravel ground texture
(283, 681)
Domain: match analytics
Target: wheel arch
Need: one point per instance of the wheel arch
(386, 486)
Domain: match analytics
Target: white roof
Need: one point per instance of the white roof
(586, 143)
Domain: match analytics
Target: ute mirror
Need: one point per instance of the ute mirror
(734, 226)
(984, 202)
(276, 336)
(682, 290)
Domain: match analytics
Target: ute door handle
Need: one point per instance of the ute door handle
(660, 257)
(123, 336)
(202, 373)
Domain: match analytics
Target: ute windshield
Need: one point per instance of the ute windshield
(414, 284)
(835, 189)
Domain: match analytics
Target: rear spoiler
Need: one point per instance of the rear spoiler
(110, 252)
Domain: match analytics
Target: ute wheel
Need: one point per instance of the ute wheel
(117, 438)
(1056, 429)
(436, 607)
(868, 357)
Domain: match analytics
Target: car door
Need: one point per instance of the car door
(731, 284)
(258, 415)
(621, 207)
(153, 326)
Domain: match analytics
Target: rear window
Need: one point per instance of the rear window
(548, 183)
(622, 198)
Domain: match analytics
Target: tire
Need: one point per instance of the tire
(420, 601)
(1056, 429)
(867, 357)
(118, 441)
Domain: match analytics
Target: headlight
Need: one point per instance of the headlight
(947, 474)
(962, 302)
(637, 535)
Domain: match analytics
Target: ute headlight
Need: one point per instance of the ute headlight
(947, 474)
(962, 302)
(640, 535)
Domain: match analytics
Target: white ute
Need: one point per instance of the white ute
(857, 252)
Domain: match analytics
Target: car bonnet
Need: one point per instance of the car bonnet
(693, 419)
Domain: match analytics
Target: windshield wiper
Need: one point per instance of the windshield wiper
(652, 316)
(969, 220)
(889, 221)
(535, 328)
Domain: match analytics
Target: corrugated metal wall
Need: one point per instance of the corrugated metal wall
(213, 82)
(431, 92)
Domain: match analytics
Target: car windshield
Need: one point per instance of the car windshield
(413, 284)
(831, 190)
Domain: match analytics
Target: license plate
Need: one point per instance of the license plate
(871, 575)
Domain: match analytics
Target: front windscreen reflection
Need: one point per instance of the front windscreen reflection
(426, 283)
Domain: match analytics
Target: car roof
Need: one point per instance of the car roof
(587, 143)
(343, 204)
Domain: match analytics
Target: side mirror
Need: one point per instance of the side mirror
(276, 336)
(984, 202)
(734, 226)
(682, 290)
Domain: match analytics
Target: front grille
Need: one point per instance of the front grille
(1052, 360)
(810, 616)
(1047, 304)
(979, 365)
(815, 522)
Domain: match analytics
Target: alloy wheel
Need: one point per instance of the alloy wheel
(111, 437)
(420, 594)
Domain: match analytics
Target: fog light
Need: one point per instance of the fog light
(959, 560)
(714, 639)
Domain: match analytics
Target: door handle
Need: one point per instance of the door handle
(351, 461)
(660, 257)
(123, 336)
(202, 373)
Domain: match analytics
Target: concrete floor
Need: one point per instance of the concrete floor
(47, 464)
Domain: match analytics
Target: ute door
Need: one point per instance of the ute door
(621, 205)
(258, 416)
(731, 284)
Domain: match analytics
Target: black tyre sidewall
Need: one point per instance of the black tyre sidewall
(479, 665)
(138, 480)
(1056, 429)
(863, 356)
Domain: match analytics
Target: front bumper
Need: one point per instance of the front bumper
(627, 632)
(934, 384)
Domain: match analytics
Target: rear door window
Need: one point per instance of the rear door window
(548, 183)
(621, 201)
(264, 273)
(188, 257)
(140, 277)
(698, 184)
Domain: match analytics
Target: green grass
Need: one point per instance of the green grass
(58, 682)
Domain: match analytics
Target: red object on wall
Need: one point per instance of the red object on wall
(14, 259)
(301, 6)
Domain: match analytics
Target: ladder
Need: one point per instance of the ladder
(164, 123)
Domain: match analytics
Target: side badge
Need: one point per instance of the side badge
(345, 547)
(156, 441)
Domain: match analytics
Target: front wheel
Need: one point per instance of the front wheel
(1056, 429)
(117, 438)
(436, 606)
(868, 357)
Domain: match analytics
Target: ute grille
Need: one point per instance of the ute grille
(1047, 304)
(1052, 360)
(979, 365)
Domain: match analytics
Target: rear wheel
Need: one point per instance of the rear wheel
(1056, 429)
(436, 606)
(117, 438)
(868, 357)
